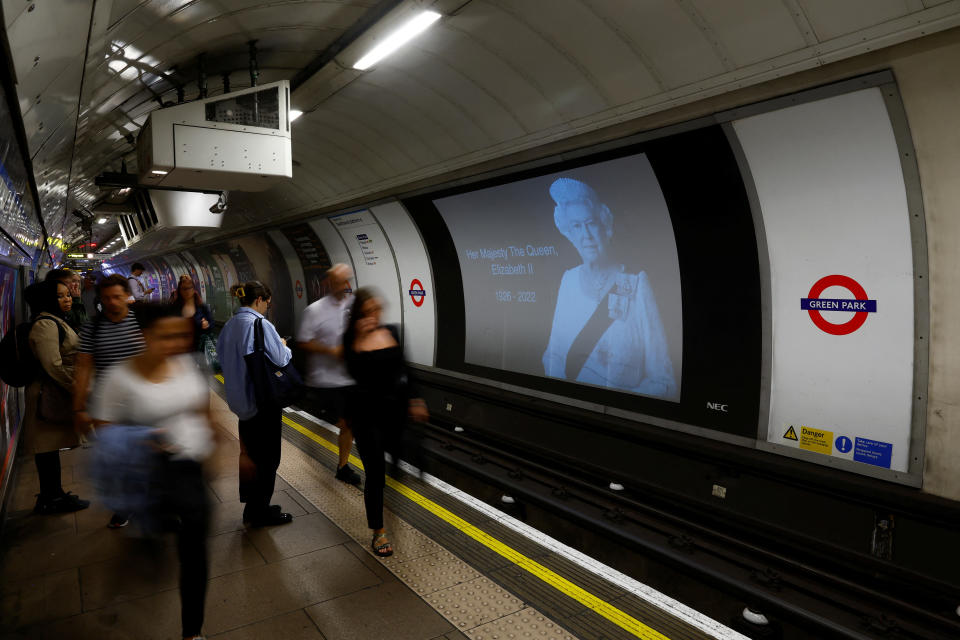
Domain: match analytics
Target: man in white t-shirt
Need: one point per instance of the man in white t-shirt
(321, 336)
(137, 291)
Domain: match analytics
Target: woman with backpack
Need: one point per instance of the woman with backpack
(48, 423)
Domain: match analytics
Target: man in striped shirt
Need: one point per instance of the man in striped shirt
(105, 341)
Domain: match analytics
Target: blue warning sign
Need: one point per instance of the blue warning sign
(844, 444)
(873, 452)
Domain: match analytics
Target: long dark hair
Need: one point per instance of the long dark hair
(178, 301)
(43, 296)
(360, 297)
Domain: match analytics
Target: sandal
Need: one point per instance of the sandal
(384, 549)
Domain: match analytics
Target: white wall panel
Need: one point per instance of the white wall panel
(372, 258)
(296, 275)
(831, 189)
(413, 264)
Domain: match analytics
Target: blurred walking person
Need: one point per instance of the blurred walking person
(383, 399)
(259, 421)
(162, 388)
(48, 422)
(321, 336)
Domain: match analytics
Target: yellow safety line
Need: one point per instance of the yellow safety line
(558, 582)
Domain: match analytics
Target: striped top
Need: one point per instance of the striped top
(110, 342)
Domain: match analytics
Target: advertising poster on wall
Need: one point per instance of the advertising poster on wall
(218, 291)
(168, 279)
(9, 403)
(313, 256)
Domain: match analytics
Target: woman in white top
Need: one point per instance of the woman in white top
(162, 388)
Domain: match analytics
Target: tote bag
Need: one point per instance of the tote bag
(278, 386)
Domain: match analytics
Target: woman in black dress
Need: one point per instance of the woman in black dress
(383, 398)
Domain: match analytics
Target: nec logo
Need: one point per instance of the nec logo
(716, 406)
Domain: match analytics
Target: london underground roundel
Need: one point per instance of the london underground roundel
(860, 305)
(417, 292)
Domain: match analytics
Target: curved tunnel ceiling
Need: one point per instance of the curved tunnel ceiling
(492, 78)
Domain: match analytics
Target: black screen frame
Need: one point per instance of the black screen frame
(720, 284)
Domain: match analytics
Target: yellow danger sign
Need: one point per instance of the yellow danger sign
(816, 440)
(791, 434)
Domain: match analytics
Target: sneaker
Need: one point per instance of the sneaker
(65, 503)
(348, 475)
(118, 521)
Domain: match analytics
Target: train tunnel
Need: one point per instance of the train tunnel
(636, 256)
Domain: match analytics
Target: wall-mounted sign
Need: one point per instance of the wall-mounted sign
(417, 292)
(860, 305)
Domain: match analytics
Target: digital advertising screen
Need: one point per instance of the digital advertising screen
(573, 275)
(628, 279)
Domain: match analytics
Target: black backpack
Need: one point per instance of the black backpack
(18, 365)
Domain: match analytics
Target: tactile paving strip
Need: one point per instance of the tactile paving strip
(473, 603)
(434, 572)
(526, 624)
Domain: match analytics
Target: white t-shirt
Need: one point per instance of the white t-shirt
(325, 321)
(177, 406)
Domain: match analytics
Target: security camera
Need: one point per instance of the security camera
(221, 204)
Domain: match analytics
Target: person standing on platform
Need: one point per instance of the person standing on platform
(71, 279)
(260, 426)
(321, 336)
(47, 420)
(137, 291)
(105, 341)
(187, 299)
(383, 399)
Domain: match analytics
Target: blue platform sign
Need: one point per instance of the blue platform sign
(873, 452)
(844, 444)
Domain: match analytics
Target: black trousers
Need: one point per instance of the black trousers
(374, 439)
(260, 436)
(184, 497)
(48, 469)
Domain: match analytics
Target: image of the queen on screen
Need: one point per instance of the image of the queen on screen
(606, 329)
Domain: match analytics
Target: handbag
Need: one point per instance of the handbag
(273, 385)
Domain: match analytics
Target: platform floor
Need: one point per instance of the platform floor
(69, 576)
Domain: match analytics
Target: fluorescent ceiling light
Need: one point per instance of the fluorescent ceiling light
(101, 220)
(404, 34)
(294, 114)
(160, 172)
(117, 65)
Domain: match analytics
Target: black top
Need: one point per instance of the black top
(383, 380)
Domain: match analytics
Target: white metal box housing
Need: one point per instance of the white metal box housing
(237, 141)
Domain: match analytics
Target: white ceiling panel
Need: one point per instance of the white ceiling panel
(500, 77)
(600, 53)
(677, 49)
(770, 32)
(566, 87)
(831, 19)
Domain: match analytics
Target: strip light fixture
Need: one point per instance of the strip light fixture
(404, 34)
